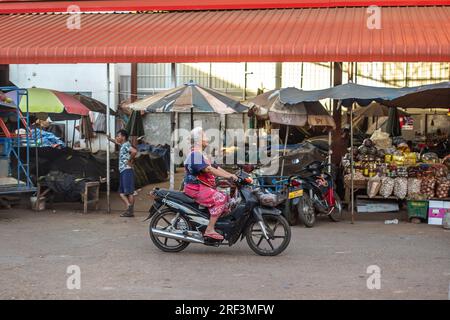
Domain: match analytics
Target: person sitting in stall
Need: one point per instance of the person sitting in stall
(199, 182)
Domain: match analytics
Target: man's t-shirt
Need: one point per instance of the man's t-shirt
(124, 156)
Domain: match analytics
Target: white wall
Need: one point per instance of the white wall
(72, 78)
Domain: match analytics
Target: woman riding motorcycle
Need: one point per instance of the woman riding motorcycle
(199, 182)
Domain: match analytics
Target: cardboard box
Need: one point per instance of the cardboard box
(436, 212)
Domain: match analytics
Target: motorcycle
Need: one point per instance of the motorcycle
(319, 195)
(177, 221)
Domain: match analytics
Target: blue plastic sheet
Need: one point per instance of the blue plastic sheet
(47, 139)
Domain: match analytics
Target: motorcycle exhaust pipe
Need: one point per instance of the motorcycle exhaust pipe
(162, 233)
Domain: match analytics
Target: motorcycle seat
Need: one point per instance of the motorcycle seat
(175, 195)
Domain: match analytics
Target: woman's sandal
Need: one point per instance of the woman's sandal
(213, 235)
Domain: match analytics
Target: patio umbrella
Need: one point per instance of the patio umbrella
(57, 105)
(92, 104)
(294, 114)
(189, 97)
(259, 106)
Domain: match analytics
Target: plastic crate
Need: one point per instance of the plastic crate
(417, 209)
(5, 147)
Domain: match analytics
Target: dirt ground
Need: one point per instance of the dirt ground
(117, 260)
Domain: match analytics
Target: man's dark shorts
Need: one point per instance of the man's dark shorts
(126, 183)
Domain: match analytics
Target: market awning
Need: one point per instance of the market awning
(407, 34)
(24, 6)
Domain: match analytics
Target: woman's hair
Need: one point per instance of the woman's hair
(196, 135)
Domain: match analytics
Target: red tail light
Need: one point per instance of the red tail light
(296, 183)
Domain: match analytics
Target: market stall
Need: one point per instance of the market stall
(386, 168)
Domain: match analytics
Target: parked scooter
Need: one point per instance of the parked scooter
(177, 220)
(319, 196)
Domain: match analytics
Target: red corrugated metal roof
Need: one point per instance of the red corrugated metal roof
(24, 6)
(327, 34)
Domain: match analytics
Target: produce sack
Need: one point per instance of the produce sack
(427, 186)
(440, 170)
(442, 187)
(413, 186)
(373, 186)
(387, 186)
(400, 187)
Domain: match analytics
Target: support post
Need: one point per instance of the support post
(337, 147)
(134, 82)
(108, 173)
(352, 192)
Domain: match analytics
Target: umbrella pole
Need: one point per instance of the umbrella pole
(330, 152)
(108, 178)
(284, 151)
(351, 166)
(172, 153)
(73, 132)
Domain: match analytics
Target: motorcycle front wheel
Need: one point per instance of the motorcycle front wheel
(163, 220)
(279, 233)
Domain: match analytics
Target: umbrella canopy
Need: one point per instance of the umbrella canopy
(425, 96)
(431, 98)
(135, 126)
(376, 109)
(297, 114)
(187, 97)
(393, 124)
(259, 106)
(306, 113)
(50, 102)
(92, 104)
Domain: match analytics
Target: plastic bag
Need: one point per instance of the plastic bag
(400, 187)
(387, 186)
(373, 186)
(381, 139)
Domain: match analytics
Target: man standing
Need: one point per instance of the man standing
(126, 182)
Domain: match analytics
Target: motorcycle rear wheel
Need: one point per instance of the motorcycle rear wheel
(272, 223)
(162, 220)
(336, 215)
(306, 211)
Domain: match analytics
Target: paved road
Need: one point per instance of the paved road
(118, 260)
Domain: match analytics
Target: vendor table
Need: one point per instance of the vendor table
(43, 190)
(357, 185)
